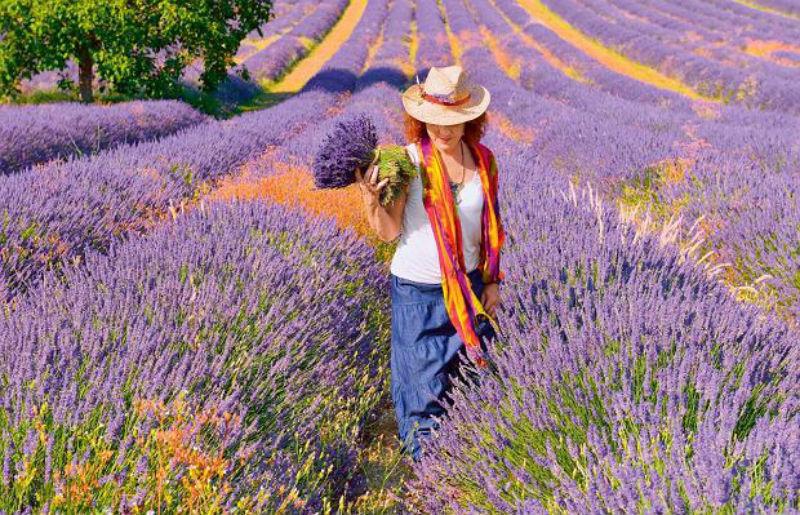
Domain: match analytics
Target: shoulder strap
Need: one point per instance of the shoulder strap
(413, 154)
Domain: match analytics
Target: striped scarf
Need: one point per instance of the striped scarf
(463, 306)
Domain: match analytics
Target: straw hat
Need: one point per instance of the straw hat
(446, 97)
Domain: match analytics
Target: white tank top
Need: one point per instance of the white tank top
(416, 257)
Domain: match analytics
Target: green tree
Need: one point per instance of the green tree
(139, 47)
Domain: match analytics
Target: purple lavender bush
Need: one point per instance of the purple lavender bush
(753, 220)
(262, 347)
(54, 214)
(628, 381)
(39, 133)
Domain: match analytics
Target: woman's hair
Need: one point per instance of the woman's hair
(473, 129)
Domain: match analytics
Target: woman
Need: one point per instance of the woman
(445, 273)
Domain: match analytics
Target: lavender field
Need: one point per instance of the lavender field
(188, 325)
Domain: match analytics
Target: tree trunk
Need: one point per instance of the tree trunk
(85, 74)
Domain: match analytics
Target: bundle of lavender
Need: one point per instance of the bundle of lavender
(353, 143)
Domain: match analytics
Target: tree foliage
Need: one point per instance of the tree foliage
(139, 47)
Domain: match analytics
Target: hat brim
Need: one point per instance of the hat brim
(438, 114)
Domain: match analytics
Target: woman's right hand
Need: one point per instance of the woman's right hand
(369, 185)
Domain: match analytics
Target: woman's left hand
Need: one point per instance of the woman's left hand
(490, 298)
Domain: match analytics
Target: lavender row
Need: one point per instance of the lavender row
(286, 16)
(53, 214)
(752, 220)
(547, 80)
(234, 316)
(87, 203)
(772, 91)
(713, 35)
(391, 59)
(271, 62)
(434, 47)
(343, 70)
(768, 23)
(715, 23)
(38, 133)
(627, 379)
(597, 74)
(783, 6)
(541, 78)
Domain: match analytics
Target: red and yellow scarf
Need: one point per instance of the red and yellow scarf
(463, 306)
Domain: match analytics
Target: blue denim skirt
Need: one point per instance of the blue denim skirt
(426, 354)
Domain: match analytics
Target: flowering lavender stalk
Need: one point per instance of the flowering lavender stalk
(353, 143)
(254, 313)
(350, 145)
(38, 133)
(628, 379)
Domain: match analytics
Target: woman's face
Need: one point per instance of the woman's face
(445, 137)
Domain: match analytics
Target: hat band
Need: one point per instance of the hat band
(437, 100)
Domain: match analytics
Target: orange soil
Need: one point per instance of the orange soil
(766, 48)
(455, 46)
(373, 49)
(509, 129)
(409, 67)
(511, 66)
(294, 186)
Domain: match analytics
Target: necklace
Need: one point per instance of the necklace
(456, 187)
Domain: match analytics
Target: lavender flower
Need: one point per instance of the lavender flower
(350, 145)
(353, 144)
(34, 134)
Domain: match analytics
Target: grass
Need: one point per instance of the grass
(55, 94)
(380, 462)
